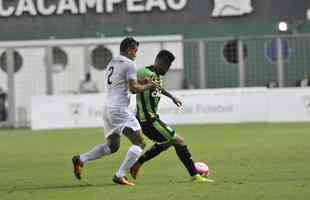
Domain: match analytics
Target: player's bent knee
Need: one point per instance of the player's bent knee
(114, 147)
(135, 137)
(138, 140)
(179, 141)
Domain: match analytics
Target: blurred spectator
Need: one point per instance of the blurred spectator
(3, 111)
(305, 82)
(88, 85)
(187, 85)
(272, 84)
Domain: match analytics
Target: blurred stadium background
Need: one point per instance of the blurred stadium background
(217, 44)
(225, 49)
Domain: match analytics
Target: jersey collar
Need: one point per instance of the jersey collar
(152, 68)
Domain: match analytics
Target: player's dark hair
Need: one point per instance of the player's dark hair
(128, 42)
(165, 56)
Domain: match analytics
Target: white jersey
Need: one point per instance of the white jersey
(118, 72)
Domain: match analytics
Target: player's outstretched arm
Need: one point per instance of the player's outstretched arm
(175, 100)
(136, 87)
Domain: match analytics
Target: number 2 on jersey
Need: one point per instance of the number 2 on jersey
(111, 70)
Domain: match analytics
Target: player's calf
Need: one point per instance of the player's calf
(186, 158)
(151, 153)
(133, 154)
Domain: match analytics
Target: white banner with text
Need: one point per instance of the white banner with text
(199, 107)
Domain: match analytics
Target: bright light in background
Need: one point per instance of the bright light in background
(283, 26)
(308, 14)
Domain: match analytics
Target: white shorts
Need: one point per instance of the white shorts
(116, 119)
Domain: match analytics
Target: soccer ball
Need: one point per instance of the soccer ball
(202, 168)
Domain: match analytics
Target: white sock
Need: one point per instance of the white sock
(96, 153)
(132, 156)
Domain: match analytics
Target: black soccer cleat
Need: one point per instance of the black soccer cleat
(77, 167)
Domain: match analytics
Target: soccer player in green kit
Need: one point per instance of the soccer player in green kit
(163, 135)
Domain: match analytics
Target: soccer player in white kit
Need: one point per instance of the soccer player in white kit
(120, 77)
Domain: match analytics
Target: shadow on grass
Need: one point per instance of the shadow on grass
(56, 187)
(86, 185)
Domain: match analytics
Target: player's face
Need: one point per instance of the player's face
(132, 52)
(163, 68)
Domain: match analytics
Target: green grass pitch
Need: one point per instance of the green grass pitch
(247, 161)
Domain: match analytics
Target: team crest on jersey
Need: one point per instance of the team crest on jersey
(156, 93)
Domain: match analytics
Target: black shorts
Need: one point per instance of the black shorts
(157, 131)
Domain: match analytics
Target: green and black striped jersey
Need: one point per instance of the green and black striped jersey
(147, 101)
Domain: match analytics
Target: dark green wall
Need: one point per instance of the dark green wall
(194, 21)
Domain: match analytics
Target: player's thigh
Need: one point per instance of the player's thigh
(109, 126)
(128, 120)
(151, 133)
(119, 118)
(158, 131)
